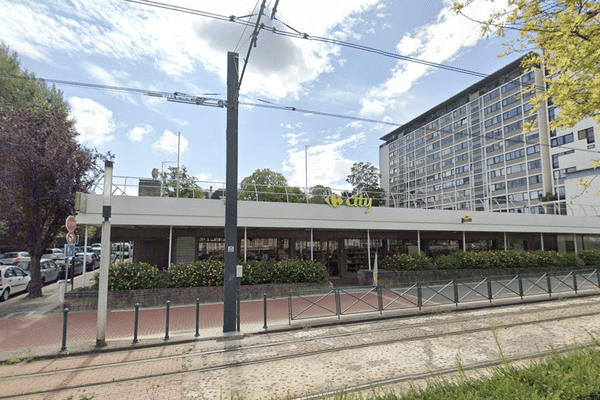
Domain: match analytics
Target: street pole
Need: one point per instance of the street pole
(229, 287)
(104, 256)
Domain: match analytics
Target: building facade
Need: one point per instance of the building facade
(470, 152)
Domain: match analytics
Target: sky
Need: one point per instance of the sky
(131, 44)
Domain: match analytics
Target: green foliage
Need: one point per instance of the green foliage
(266, 185)
(407, 262)
(507, 259)
(188, 188)
(133, 276)
(590, 257)
(318, 194)
(38, 141)
(364, 178)
(566, 38)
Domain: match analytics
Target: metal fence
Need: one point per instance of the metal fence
(380, 299)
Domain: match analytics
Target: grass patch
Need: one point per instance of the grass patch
(574, 375)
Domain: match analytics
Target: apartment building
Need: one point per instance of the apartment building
(470, 152)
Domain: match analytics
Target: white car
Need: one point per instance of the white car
(12, 280)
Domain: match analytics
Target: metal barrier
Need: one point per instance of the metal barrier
(357, 300)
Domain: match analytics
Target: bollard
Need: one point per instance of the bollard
(521, 287)
(237, 297)
(549, 283)
(135, 324)
(197, 318)
(574, 281)
(489, 289)
(168, 312)
(379, 300)
(455, 284)
(64, 335)
(265, 308)
(419, 296)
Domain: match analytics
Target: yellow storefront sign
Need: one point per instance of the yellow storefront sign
(355, 201)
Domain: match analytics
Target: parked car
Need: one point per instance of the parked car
(48, 269)
(12, 280)
(58, 255)
(92, 262)
(13, 257)
(71, 262)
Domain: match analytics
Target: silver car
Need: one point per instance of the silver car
(12, 280)
(13, 257)
(48, 269)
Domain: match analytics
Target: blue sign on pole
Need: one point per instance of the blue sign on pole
(69, 250)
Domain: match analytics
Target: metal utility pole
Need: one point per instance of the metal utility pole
(105, 251)
(229, 289)
(231, 250)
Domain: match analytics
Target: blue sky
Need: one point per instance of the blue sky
(126, 44)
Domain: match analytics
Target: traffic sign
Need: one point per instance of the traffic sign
(71, 223)
(69, 250)
(70, 238)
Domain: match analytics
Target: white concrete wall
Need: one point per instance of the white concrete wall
(161, 211)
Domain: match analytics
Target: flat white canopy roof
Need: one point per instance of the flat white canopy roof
(167, 211)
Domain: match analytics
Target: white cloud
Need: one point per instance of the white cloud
(326, 164)
(168, 143)
(294, 139)
(204, 178)
(437, 42)
(94, 122)
(175, 43)
(137, 134)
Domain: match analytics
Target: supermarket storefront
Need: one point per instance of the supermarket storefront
(348, 232)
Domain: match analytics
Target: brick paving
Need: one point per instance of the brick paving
(36, 331)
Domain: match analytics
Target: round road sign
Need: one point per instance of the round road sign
(70, 238)
(71, 223)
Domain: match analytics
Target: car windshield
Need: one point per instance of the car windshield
(24, 265)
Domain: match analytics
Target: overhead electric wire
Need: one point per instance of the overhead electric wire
(157, 93)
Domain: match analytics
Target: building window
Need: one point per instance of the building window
(512, 113)
(510, 86)
(492, 108)
(535, 164)
(511, 99)
(491, 95)
(559, 141)
(492, 121)
(533, 149)
(586, 134)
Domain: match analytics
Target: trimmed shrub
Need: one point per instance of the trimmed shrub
(133, 276)
(407, 262)
(590, 257)
(508, 259)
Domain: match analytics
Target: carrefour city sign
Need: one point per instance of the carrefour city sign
(355, 201)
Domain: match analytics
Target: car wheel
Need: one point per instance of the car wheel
(5, 294)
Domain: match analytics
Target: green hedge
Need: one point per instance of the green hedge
(508, 259)
(492, 260)
(590, 257)
(132, 276)
(407, 262)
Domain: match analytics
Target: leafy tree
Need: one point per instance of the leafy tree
(41, 164)
(266, 185)
(42, 167)
(188, 188)
(364, 179)
(19, 87)
(566, 37)
(318, 194)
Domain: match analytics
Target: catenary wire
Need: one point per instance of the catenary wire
(263, 104)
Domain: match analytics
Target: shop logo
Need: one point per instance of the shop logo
(355, 201)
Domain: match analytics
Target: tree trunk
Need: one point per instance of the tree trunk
(35, 287)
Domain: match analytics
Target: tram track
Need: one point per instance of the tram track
(322, 344)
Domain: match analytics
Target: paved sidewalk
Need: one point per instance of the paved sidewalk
(41, 333)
